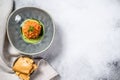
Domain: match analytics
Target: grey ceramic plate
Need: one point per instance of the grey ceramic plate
(14, 34)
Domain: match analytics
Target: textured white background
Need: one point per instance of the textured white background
(87, 40)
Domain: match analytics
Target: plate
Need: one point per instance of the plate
(14, 30)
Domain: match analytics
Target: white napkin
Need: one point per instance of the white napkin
(45, 72)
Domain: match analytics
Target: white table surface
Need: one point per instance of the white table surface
(87, 40)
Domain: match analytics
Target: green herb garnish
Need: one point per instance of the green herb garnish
(31, 29)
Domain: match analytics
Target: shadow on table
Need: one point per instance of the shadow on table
(55, 49)
(56, 78)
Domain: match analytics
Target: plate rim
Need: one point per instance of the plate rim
(21, 52)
